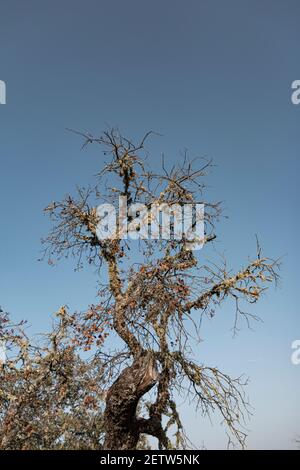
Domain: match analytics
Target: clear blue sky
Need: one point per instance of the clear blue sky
(212, 76)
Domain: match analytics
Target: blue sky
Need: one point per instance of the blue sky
(211, 76)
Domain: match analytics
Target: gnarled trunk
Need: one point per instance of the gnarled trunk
(122, 427)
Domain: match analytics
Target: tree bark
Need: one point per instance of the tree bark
(122, 427)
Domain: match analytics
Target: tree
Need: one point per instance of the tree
(50, 398)
(152, 307)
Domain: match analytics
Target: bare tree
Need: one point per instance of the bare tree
(153, 304)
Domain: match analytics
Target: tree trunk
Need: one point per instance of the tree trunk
(122, 427)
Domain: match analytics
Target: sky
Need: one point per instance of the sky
(210, 76)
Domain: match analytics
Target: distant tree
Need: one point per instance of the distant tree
(50, 398)
(151, 304)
